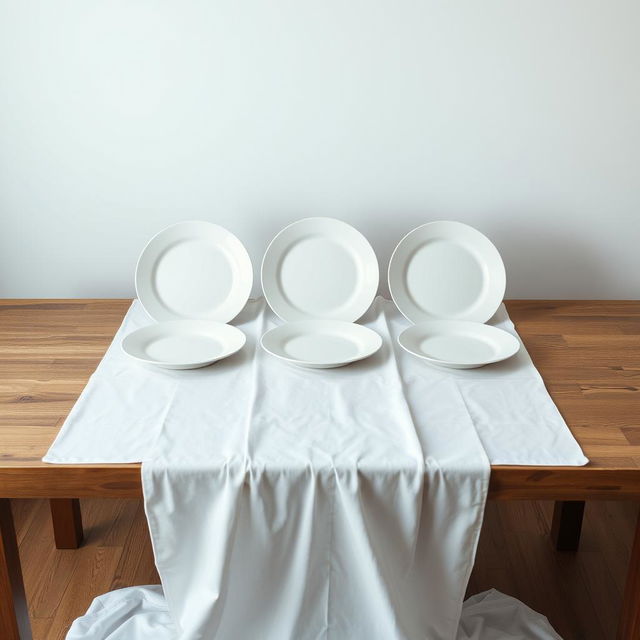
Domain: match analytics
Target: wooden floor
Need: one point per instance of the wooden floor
(580, 593)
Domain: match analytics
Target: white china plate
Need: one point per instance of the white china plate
(319, 268)
(194, 270)
(183, 344)
(458, 344)
(321, 344)
(446, 270)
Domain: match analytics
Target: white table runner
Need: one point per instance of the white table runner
(293, 503)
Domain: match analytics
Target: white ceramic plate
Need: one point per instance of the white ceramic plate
(194, 270)
(458, 344)
(183, 344)
(446, 270)
(319, 268)
(321, 344)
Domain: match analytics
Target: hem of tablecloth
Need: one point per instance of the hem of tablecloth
(75, 461)
(153, 528)
(484, 491)
(512, 462)
(532, 463)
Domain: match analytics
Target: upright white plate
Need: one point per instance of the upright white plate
(319, 268)
(458, 344)
(183, 344)
(194, 270)
(321, 344)
(446, 270)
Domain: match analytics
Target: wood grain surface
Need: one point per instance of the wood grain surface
(588, 353)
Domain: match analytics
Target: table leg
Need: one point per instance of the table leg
(67, 522)
(567, 525)
(14, 616)
(629, 626)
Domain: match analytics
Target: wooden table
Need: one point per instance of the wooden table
(588, 353)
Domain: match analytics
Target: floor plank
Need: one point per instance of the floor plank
(579, 592)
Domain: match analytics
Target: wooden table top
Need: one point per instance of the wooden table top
(588, 353)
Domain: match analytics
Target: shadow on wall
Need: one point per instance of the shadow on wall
(544, 264)
(540, 263)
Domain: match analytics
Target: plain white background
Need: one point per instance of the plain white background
(119, 117)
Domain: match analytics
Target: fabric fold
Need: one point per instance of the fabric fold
(141, 613)
(296, 503)
(322, 523)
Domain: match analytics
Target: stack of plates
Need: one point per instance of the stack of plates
(320, 275)
(192, 278)
(448, 279)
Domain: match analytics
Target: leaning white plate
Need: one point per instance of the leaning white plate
(194, 270)
(321, 344)
(458, 344)
(319, 268)
(183, 344)
(446, 270)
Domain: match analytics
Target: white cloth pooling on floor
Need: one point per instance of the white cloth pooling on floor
(141, 613)
(339, 504)
(492, 615)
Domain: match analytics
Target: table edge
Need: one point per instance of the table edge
(506, 482)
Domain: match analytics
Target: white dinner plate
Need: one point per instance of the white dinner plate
(194, 270)
(321, 344)
(446, 270)
(319, 268)
(458, 344)
(183, 344)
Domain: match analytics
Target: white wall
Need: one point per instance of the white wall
(118, 117)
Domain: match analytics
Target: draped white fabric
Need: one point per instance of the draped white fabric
(287, 503)
(119, 415)
(494, 616)
(141, 612)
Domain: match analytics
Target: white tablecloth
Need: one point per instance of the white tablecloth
(305, 504)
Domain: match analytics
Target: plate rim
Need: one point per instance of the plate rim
(334, 364)
(192, 365)
(245, 254)
(331, 219)
(448, 363)
(392, 260)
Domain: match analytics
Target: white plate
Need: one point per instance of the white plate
(458, 344)
(319, 268)
(446, 270)
(194, 270)
(321, 344)
(183, 344)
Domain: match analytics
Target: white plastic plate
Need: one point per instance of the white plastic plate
(446, 270)
(194, 270)
(458, 344)
(321, 344)
(183, 344)
(319, 268)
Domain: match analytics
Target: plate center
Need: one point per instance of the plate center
(457, 348)
(183, 348)
(192, 278)
(319, 275)
(319, 347)
(444, 278)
